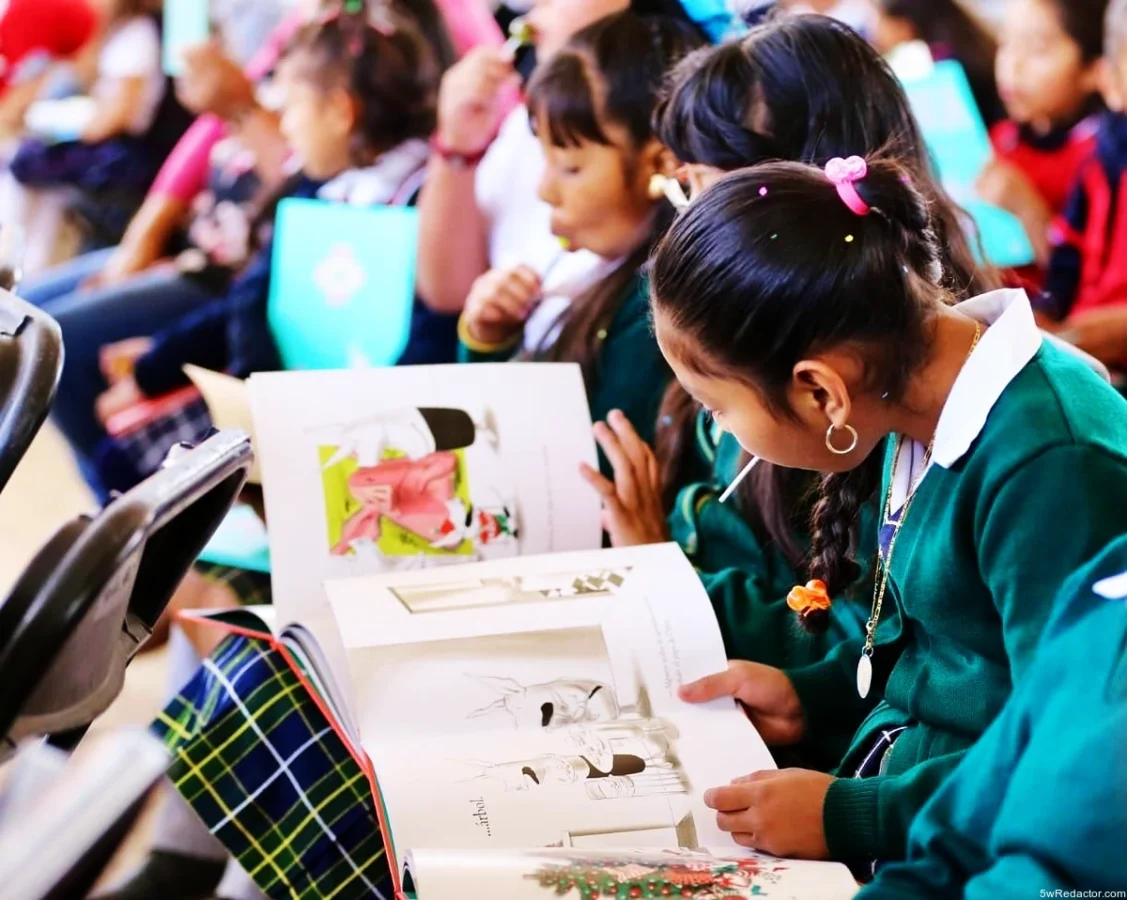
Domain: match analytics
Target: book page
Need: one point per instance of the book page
(396, 469)
(579, 874)
(228, 401)
(533, 702)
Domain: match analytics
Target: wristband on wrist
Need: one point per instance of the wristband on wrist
(453, 157)
(477, 346)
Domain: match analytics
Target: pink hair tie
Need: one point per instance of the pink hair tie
(843, 174)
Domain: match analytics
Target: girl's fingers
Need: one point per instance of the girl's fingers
(603, 486)
(516, 299)
(653, 470)
(636, 450)
(625, 483)
(528, 280)
(731, 798)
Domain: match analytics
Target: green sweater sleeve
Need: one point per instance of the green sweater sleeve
(992, 829)
(1048, 518)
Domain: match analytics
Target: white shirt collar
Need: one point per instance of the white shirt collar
(1012, 339)
(1010, 342)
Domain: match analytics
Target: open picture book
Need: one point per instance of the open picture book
(400, 469)
(519, 723)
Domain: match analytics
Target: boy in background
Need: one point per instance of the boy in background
(1086, 292)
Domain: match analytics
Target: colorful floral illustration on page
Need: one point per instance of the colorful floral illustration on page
(399, 484)
(683, 874)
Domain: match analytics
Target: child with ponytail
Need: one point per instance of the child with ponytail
(591, 106)
(358, 108)
(782, 92)
(806, 308)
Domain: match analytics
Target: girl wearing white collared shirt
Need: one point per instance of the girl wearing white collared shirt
(803, 308)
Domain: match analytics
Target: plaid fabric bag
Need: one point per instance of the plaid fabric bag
(124, 462)
(262, 767)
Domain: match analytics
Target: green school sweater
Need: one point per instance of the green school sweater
(986, 547)
(1039, 804)
(630, 375)
(748, 578)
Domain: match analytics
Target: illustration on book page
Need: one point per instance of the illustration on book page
(610, 761)
(684, 873)
(484, 593)
(417, 482)
(558, 703)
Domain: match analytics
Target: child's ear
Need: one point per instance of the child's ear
(341, 110)
(1107, 82)
(656, 159)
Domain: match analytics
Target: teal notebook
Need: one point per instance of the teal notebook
(343, 284)
(240, 542)
(187, 23)
(959, 144)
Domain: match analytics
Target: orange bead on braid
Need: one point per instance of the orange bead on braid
(813, 598)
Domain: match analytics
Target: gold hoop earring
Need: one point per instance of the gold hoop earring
(854, 438)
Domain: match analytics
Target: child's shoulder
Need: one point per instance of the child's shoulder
(1057, 400)
(1091, 612)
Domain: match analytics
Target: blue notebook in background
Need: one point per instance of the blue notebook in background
(186, 23)
(960, 146)
(343, 284)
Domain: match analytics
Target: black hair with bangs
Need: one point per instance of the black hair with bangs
(610, 73)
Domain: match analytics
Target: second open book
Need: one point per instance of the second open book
(520, 723)
(504, 683)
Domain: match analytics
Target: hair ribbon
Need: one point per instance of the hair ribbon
(844, 174)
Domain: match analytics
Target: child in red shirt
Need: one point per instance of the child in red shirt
(1047, 71)
(1087, 286)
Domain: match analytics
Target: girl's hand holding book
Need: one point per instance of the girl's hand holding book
(778, 812)
(499, 304)
(764, 692)
(632, 509)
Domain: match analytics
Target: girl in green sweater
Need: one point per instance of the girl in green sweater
(591, 106)
(805, 308)
(785, 91)
(1038, 808)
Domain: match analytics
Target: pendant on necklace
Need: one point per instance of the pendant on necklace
(864, 675)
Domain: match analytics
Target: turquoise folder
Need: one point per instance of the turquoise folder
(187, 23)
(343, 284)
(960, 146)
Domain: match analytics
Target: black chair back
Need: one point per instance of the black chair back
(91, 597)
(31, 361)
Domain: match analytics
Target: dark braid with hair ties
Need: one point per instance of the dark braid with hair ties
(758, 275)
(788, 91)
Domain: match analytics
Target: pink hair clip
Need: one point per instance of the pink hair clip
(844, 174)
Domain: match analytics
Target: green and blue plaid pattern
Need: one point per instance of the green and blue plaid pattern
(260, 764)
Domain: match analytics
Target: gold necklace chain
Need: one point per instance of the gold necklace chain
(885, 562)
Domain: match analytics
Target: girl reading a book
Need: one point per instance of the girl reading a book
(591, 106)
(782, 92)
(805, 307)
